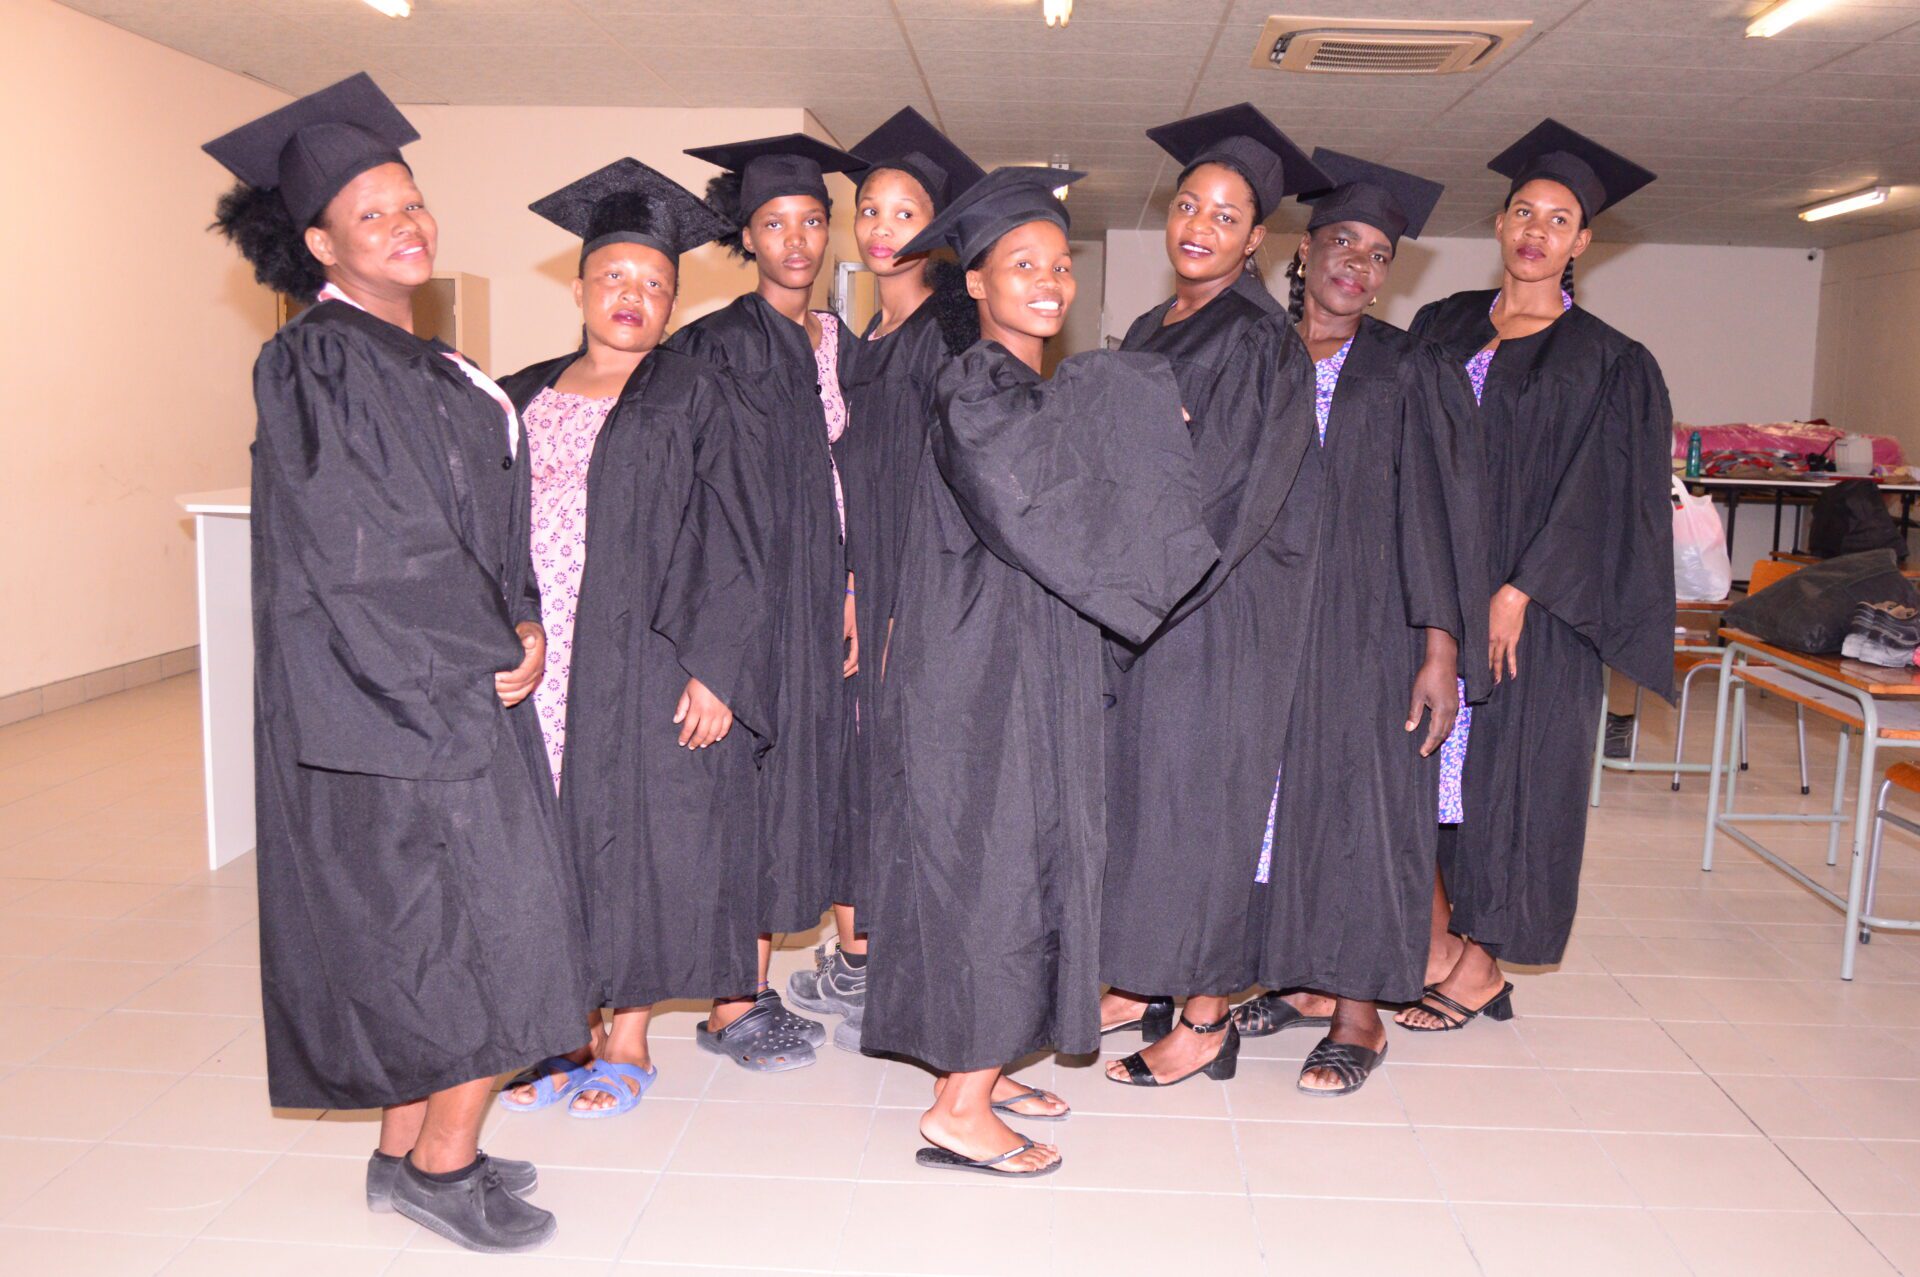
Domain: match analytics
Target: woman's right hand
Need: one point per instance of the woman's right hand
(703, 717)
(1506, 618)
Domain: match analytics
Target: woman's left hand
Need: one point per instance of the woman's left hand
(515, 685)
(1436, 691)
(851, 664)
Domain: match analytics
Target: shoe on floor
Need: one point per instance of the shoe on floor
(846, 1035)
(833, 987)
(520, 1178)
(475, 1211)
(812, 1030)
(1619, 735)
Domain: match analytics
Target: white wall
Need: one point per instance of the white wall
(1867, 377)
(1733, 328)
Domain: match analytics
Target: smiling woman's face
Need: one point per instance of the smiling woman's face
(376, 236)
(1346, 264)
(1540, 231)
(1211, 229)
(625, 295)
(1026, 282)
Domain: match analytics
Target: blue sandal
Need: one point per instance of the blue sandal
(546, 1092)
(607, 1078)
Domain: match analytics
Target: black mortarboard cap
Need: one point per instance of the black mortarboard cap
(769, 167)
(1242, 138)
(909, 142)
(1599, 178)
(310, 148)
(1395, 202)
(992, 206)
(628, 203)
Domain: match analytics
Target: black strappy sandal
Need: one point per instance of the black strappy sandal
(1454, 1016)
(1270, 1012)
(1220, 1068)
(933, 1157)
(1351, 1063)
(1155, 1021)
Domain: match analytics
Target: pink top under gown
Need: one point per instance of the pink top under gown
(561, 429)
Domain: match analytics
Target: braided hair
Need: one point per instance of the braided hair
(1566, 278)
(1296, 288)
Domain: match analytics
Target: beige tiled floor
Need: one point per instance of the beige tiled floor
(1693, 1091)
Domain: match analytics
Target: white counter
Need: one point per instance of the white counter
(222, 529)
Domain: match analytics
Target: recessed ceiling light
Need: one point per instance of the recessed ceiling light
(392, 8)
(1783, 15)
(1056, 12)
(1845, 204)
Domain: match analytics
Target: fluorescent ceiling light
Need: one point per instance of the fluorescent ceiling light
(1845, 204)
(1056, 12)
(1781, 16)
(392, 8)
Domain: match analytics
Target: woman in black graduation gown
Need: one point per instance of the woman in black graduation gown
(657, 791)
(1199, 715)
(776, 358)
(924, 318)
(1577, 438)
(1043, 511)
(419, 925)
(1398, 593)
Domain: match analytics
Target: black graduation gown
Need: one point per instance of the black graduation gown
(888, 384)
(1350, 895)
(768, 369)
(1043, 511)
(419, 925)
(663, 836)
(1576, 431)
(1199, 717)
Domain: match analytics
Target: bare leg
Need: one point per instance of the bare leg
(1355, 1023)
(1473, 982)
(1117, 1006)
(727, 1010)
(1443, 949)
(1182, 1051)
(626, 1043)
(962, 1120)
(400, 1127)
(449, 1136)
(851, 941)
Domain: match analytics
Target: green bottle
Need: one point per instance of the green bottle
(1693, 456)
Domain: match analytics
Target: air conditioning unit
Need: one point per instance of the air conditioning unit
(1382, 46)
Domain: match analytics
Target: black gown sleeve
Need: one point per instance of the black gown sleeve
(390, 629)
(710, 604)
(1441, 480)
(1084, 482)
(1603, 560)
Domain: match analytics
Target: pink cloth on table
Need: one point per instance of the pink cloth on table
(1794, 438)
(561, 430)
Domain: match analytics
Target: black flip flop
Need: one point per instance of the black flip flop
(1270, 1012)
(1031, 1093)
(936, 1158)
(1351, 1063)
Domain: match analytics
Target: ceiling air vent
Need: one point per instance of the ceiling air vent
(1371, 46)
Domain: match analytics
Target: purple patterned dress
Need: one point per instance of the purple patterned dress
(561, 430)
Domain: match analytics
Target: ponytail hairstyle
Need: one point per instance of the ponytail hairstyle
(255, 221)
(723, 197)
(1296, 288)
(957, 314)
(1566, 278)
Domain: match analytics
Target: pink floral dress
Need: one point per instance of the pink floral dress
(561, 429)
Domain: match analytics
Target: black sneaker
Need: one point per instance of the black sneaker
(520, 1178)
(475, 1211)
(1887, 624)
(1619, 735)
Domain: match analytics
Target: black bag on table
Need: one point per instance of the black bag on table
(1851, 516)
(1808, 611)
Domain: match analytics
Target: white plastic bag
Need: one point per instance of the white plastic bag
(1702, 570)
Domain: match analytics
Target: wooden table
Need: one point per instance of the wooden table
(1880, 703)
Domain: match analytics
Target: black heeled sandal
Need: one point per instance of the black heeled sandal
(1220, 1068)
(1155, 1021)
(1453, 1016)
(1271, 1012)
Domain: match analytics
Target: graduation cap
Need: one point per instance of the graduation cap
(910, 143)
(769, 167)
(1242, 138)
(628, 203)
(1599, 178)
(992, 206)
(310, 148)
(1394, 202)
